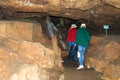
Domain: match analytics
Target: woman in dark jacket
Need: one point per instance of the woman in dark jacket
(82, 40)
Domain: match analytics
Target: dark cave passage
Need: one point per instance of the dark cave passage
(61, 28)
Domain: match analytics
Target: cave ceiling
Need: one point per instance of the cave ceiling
(93, 12)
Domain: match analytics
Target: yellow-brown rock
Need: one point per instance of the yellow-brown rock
(24, 58)
(103, 56)
(94, 12)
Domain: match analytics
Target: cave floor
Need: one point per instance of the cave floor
(71, 73)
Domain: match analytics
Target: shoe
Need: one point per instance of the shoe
(88, 67)
(80, 67)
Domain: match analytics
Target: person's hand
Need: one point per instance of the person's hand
(75, 44)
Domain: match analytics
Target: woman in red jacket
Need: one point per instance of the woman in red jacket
(71, 35)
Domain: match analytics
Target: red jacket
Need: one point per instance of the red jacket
(71, 34)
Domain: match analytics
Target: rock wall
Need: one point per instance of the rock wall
(27, 54)
(104, 56)
(94, 13)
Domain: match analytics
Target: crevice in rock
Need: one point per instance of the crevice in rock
(109, 4)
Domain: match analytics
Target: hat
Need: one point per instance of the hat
(73, 26)
(83, 25)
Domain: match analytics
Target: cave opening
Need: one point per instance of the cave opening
(63, 24)
(20, 40)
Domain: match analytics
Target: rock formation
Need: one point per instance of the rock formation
(93, 12)
(25, 55)
(104, 56)
(23, 47)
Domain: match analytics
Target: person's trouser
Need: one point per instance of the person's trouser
(69, 45)
(81, 50)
